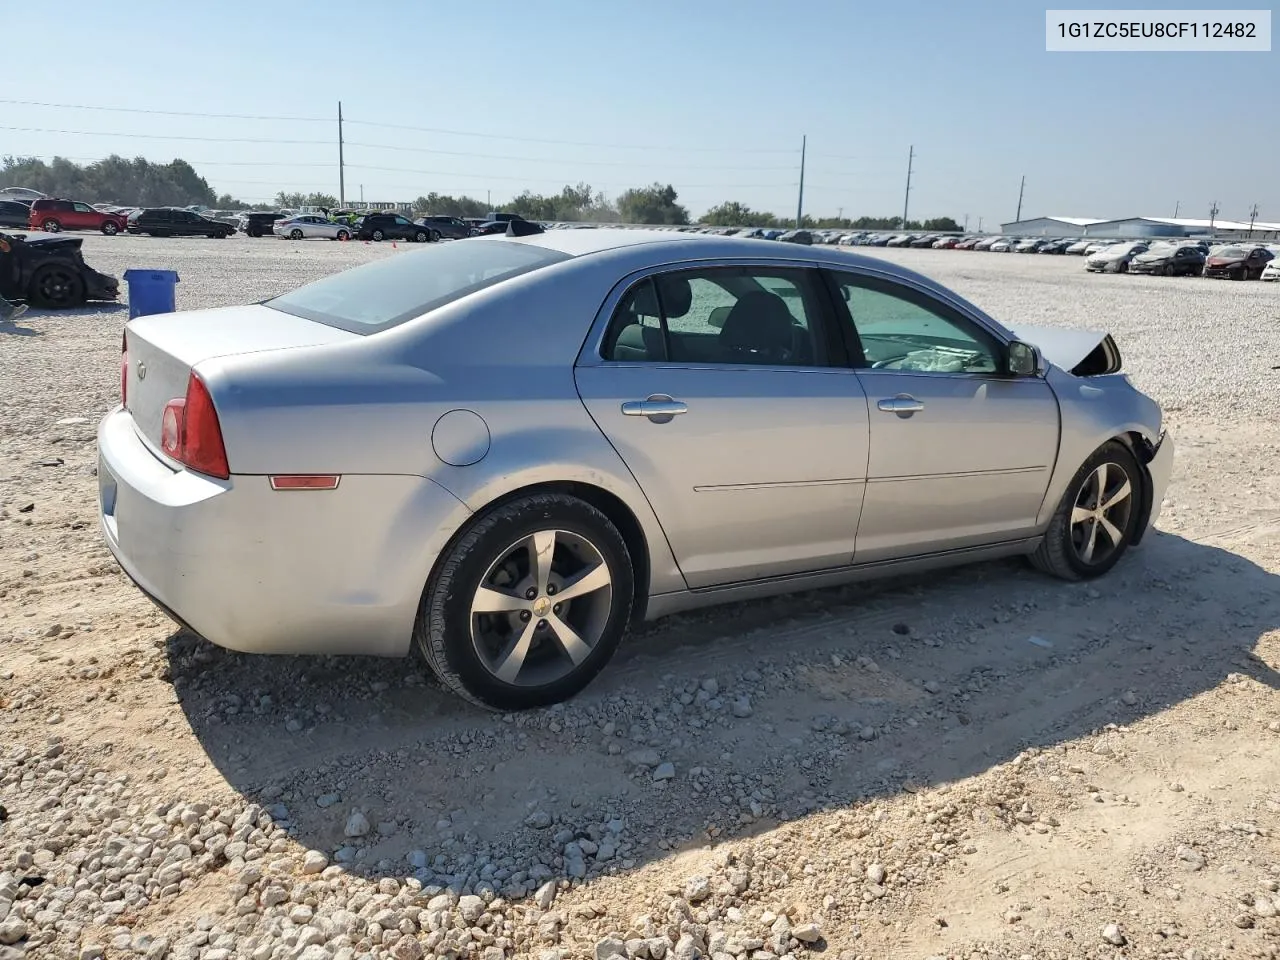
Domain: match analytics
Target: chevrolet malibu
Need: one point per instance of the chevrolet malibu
(501, 454)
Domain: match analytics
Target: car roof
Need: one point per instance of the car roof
(670, 246)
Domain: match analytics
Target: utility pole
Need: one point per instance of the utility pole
(906, 198)
(362, 193)
(342, 173)
(1213, 215)
(800, 198)
(966, 223)
(979, 224)
(488, 198)
(1253, 215)
(839, 213)
(1018, 215)
(1176, 207)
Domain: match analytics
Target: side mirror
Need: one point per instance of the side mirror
(1025, 360)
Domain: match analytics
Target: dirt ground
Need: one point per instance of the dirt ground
(978, 763)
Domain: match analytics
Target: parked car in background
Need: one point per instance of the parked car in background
(1030, 245)
(1237, 262)
(171, 222)
(52, 216)
(797, 236)
(49, 272)
(310, 226)
(259, 223)
(1272, 270)
(1056, 247)
(986, 243)
(14, 213)
(1077, 248)
(445, 228)
(967, 243)
(1004, 245)
(946, 243)
(1115, 258)
(1170, 260)
(922, 242)
(391, 226)
(512, 546)
(1096, 245)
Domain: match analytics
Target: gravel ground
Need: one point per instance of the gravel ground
(980, 763)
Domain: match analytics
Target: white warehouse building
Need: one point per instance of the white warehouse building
(1137, 227)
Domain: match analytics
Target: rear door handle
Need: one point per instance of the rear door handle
(904, 405)
(658, 407)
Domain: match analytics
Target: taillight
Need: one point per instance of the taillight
(124, 369)
(191, 434)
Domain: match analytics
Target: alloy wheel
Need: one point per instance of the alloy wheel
(541, 608)
(1100, 517)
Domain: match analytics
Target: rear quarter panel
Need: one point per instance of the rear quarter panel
(368, 405)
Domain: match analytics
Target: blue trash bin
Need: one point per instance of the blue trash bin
(151, 291)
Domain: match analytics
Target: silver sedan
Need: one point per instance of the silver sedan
(310, 227)
(502, 452)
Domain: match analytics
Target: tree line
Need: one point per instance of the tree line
(141, 182)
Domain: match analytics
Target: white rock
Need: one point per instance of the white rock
(610, 947)
(12, 930)
(471, 907)
(314, 861)
(686, 948)
(406, 948)
(665, 771)
(742, 707)
(876, 873)
(1111, 934)
(697, 889)
(357, 824)
(546, 895)
(807, 932)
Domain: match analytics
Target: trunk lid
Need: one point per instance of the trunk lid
(164, 348)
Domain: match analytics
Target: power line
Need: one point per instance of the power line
(162, 136)
(385, 126)
(166, 113)
(203, 163)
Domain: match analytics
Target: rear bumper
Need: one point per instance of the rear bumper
(252, 569)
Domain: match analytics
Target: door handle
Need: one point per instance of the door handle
(658, 407)
(904, 405)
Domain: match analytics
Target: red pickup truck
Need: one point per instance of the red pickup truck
(55, 215)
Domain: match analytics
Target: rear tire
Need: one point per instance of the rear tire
(343, 235)
(56, 287)
(509, 659)
(51, 226)
(378, 235)
(1071, 545)
(295, 234)
(421, 237)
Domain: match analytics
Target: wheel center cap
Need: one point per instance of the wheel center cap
(541, 606)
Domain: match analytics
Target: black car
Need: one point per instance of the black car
(391, 226)
(167, 222)
(797, 236)
(259, 223)
(49, 271)
(1166, 259)
(441, 228)
(1237, 262)
(492, 228)
(14, 213)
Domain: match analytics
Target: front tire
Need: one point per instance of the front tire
(51, 226)
(421, 237)
(295, 234)
(528, 604)
(110, 228)
(1096, 520)
(343, 235)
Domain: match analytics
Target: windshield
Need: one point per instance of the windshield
(1230, 253)
(389, 292)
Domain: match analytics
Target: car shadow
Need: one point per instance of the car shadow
(767, 711)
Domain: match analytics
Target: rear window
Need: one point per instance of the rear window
(386, 293)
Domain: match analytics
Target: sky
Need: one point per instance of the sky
(712, 96)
